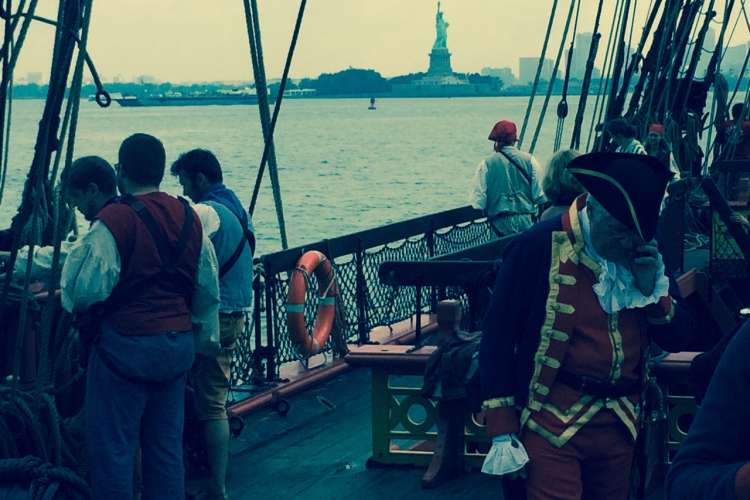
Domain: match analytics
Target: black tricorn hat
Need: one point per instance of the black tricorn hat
(630, 187)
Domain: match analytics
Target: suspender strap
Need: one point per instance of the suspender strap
(169, 256)
(247, 238)
(520, 169)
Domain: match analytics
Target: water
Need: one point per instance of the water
(342, 168)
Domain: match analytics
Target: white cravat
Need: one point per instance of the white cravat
(615, 288)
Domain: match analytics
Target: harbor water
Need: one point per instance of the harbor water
(342, 167)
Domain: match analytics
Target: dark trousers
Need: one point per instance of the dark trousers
(123, 412)
(594, 465)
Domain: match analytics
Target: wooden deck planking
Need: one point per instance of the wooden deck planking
(321, 453)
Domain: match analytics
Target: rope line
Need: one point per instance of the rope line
(539, 67)
(553, 78)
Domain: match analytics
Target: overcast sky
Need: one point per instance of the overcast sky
(199, 40)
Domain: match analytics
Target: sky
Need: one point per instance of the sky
(199, 40)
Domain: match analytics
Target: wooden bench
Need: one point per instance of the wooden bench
(403, 420)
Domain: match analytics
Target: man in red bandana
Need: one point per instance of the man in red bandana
(506, 184)
(658, 147)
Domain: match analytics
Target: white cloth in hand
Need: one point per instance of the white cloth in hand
(506, 456)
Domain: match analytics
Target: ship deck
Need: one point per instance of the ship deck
(320, 450)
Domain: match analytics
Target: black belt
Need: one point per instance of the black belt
(599, 388)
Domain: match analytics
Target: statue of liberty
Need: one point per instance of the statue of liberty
(441, 27)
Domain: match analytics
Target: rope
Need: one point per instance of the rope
(6, 134)
(671, 76)
(6, 76)
(689, 74)
(655, 83)
(24, 306)
(538, 73)
(58, 230)
(42, 476)
(618, 64)
(575, 140)
(562, 106)
(619, 104)
(252, 21)
(22, 34)
(553, 78)
(103, 98)
(731, 35)
(604, 82)
(632, 26)
(34, 199)
(277, 108)
(720, 115)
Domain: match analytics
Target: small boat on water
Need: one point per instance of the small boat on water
(372, 104)
(177, 99)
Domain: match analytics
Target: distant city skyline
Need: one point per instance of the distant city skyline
(182, 41)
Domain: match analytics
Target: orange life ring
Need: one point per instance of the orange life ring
(317, 263)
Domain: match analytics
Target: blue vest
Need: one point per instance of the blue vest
(236, 286)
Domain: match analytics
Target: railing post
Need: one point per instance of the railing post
(430, 237)
(359, 258)
(418, 325)
(257, 291)
(270, 309)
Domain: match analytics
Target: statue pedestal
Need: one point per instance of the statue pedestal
(440, 63)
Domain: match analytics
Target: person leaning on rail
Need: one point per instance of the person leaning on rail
(231, 231)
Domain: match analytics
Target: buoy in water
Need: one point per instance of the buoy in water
(372, 104)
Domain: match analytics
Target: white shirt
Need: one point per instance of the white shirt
(41, 263)
(478, 193)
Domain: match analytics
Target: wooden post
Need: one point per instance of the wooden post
(448, 458)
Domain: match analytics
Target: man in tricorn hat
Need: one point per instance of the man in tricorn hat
(575, 303)
(506, 184)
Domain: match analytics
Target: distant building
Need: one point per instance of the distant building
(581, 51)
(580, 55)
(505, 74)
(34, 77)
(527, 69)
(145, 79)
